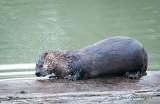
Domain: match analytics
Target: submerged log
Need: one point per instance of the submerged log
(98, 90)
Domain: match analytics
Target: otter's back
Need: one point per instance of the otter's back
(115, 55)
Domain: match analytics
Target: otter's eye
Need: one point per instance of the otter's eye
(40, 66)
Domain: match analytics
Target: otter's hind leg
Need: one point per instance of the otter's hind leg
(142, 67)
(133, 75)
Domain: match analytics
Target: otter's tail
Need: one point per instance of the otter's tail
(145, 62)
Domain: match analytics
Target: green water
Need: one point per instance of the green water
(28, 27)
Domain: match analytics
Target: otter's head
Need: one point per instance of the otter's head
(44, 64)
(51, 62)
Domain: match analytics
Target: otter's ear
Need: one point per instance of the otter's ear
(44, 55)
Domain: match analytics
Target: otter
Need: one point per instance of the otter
(112, 56)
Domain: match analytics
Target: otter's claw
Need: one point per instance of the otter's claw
(53, 77)
(132, 75)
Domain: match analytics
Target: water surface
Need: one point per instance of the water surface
(27, 27)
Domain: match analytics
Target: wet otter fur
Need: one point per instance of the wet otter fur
(113, 56)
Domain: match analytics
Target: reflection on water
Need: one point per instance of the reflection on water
(28, 27)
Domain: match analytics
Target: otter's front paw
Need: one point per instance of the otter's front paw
(72, 77)
(68, 77)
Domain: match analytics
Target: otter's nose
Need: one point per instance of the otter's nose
(38, 74)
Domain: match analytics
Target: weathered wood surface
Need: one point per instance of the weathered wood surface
(144, 90)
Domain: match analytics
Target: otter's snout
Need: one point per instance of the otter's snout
(38, 74)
